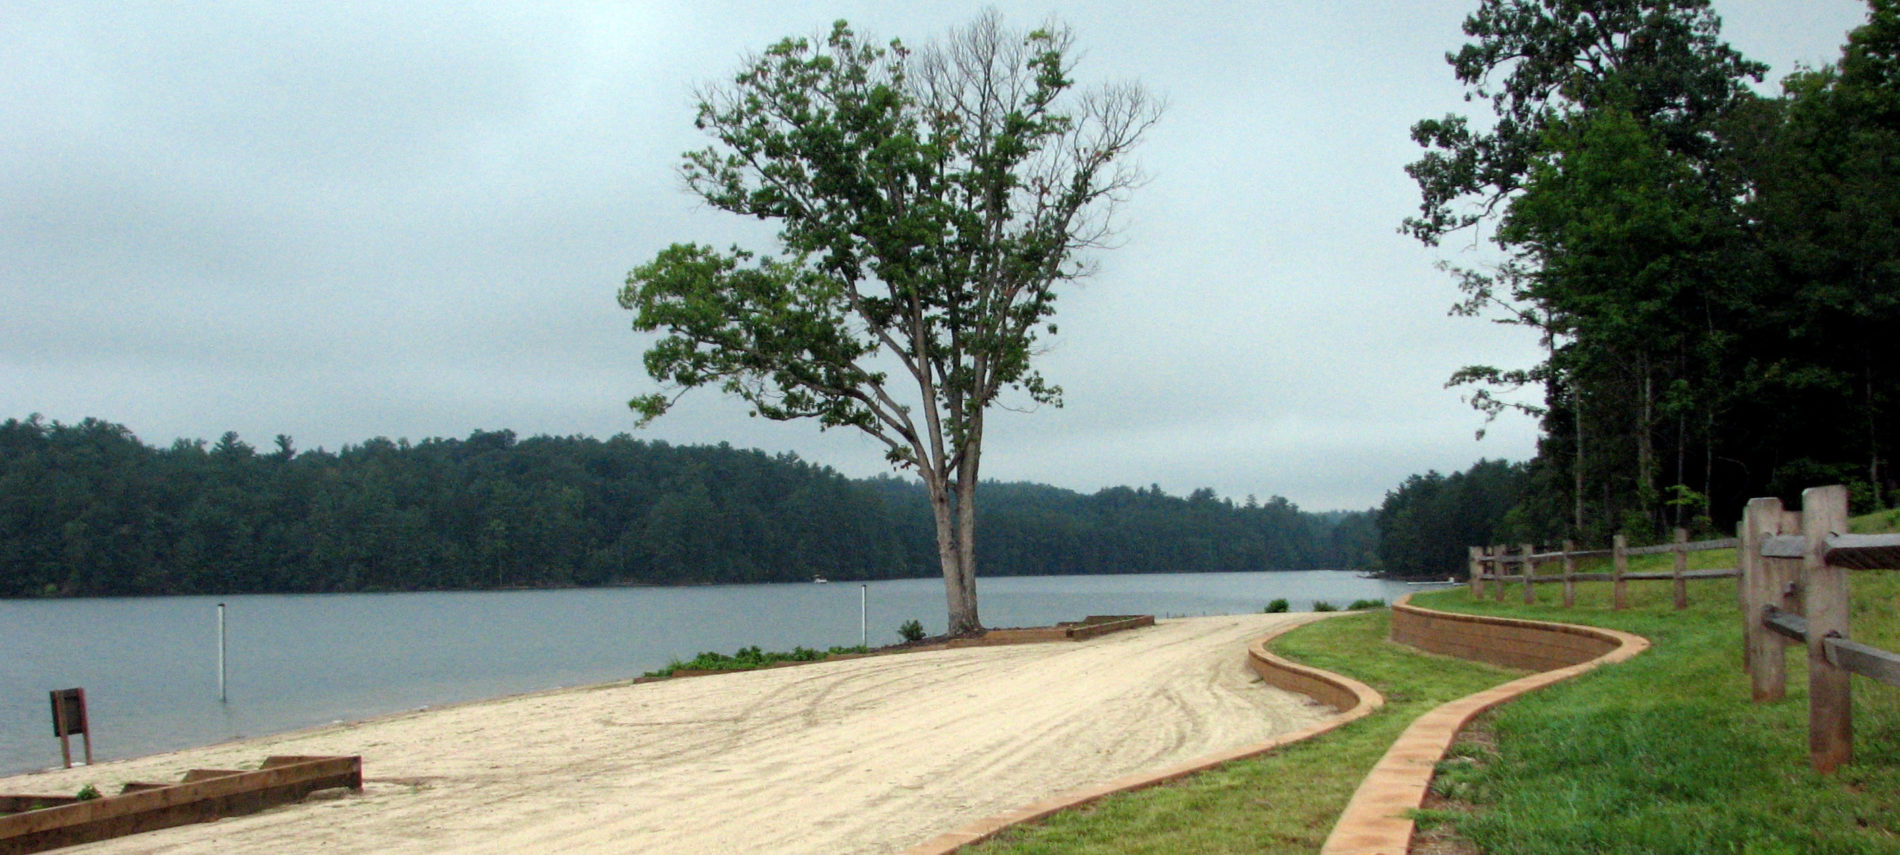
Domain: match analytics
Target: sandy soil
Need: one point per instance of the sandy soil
(866, 755)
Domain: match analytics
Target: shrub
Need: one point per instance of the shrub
(87, 793)
(1365, 604)
(1323, 606)
(1276, 607)
(911, 630)
(746, 658)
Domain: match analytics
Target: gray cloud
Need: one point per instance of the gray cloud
(338, 221)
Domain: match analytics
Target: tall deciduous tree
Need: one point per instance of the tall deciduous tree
(1604, 166)
(929, 203)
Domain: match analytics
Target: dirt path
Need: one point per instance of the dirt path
(866, 755)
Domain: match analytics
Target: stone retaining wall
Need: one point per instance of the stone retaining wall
(1378, 820)
(1511, 643)
(1341, 693)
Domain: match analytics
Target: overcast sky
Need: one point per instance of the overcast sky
(338, 221)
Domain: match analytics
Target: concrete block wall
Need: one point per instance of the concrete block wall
(1531, 645)
(1340, 693)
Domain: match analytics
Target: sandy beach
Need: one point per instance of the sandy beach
(858, 756)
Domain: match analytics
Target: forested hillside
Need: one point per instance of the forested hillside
(1714, 270)
(88, 509)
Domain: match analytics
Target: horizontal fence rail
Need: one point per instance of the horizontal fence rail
(1792, 587)
(1795, 592)
(1852, 551)
(1494, 565)
(1854, 657)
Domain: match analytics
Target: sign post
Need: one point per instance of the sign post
(222, 696)
(69, 717)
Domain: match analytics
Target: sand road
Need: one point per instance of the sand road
(865, 755)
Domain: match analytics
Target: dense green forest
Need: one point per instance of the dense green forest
(1714, 272)
(88, 509)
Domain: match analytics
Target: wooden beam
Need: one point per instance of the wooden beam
(1620, 564)
(1570, 575)
(1864, 551)
(1763, 655)
(1682, 566)
(1530, 573)
(1830, 699)
(1870, 662)
(1785, 624)
(281, 781)
(1784, 546)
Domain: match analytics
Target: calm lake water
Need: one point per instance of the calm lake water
(149, 665)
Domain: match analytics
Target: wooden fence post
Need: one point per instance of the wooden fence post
(1619, 592)
(1830, 702)
(1570, 571)
(1501, 555)
(1476, 556)
(1530, 570)
(1762, 650)
(1682, 566)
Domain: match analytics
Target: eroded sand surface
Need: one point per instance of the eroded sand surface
(866, 755)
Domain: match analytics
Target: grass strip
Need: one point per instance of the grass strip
(748, 658)
(1666, 753)
(1284, 802)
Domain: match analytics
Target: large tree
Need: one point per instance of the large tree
(1604, 168)
(929, 204)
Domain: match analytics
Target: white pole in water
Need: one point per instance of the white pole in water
(864, 632)
(222, 697)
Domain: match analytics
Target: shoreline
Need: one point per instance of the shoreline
(864, 754)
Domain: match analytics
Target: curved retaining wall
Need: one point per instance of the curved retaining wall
(1354, 700)
(1528, 644)
(1377, 821)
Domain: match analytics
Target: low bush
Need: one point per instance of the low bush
(746, 658)
(1360, 605)
(911, 630)
(1276, 607)
(1323, 606)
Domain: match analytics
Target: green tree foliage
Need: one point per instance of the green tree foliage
(1426, 524)
(1710, 270)
(88, 509)
(1660, 60)
(929, 204)
(1826, 210)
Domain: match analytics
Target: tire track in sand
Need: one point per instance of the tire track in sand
(865, 755)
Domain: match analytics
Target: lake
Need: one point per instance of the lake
(149, 665)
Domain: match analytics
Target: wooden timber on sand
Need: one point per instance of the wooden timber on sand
(1093, 626)
(1082, 630)
(202, 796)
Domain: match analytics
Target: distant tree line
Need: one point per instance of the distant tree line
(1426, 523)
(87, 509)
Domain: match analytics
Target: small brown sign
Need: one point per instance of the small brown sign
(69, 717)
(69, 711)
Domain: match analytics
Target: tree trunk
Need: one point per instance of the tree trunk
(953, 507)
(1576, 471)
(963, 614)
(1646, 493)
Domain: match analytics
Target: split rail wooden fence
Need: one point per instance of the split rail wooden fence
(1793, 590)
(1489, 564)
(1795, 567)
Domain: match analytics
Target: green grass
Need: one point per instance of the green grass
(1287, 801)
(1662, 754)
(747, 658)
(1666, 753)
